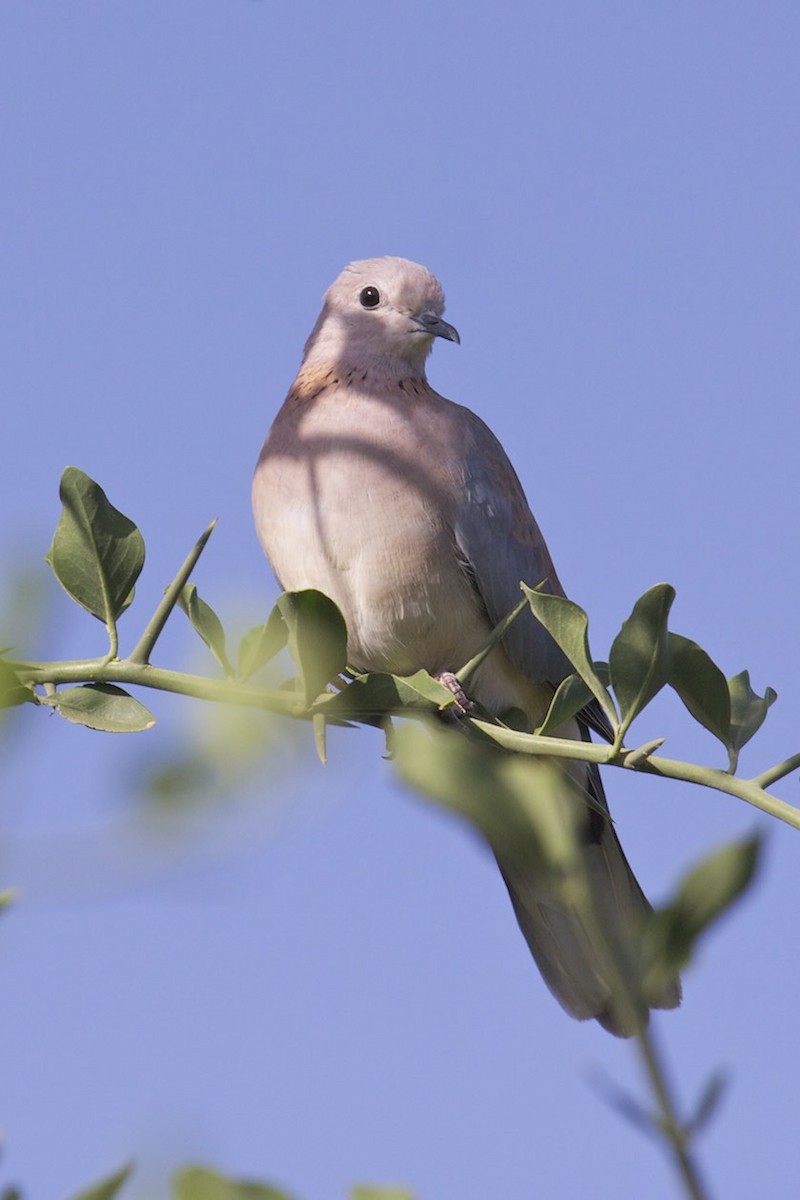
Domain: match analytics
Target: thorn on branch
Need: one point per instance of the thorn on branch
(635, 758)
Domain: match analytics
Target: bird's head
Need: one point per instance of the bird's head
(380, 313)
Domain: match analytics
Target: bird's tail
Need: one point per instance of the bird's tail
(572, 965)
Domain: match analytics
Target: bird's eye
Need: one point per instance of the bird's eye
(370, 297)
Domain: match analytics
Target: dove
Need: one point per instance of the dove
(404, 508)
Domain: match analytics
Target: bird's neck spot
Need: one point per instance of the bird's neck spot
(409, 385)
(313, 380)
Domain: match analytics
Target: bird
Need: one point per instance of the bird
(403, 507)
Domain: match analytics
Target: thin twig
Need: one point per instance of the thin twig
(144, 647)
(497, 634)
(766, 778)
(673, 1130)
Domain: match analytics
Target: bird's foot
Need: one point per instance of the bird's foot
(462, 706)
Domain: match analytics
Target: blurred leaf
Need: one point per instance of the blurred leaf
(639, 659)
(176, 783)
(571, 695)
(201, 1183)
(703, 895)
(366, 1191)
(25, 607)
(708, 1103)
(97, 553)
(525, 807)
(537, 822)
(105, 707)
(6, 898)
(225, 752)
(568, 625)
(317, 639)
(206, 622)
(261, 644)
(12, 692)
(748, 712)
(377, 694)
(701, 685)
(108, 1188)
(625, 1104)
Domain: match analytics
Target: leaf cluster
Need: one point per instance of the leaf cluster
(98, 553)
(645, 657)
(203, 1183)
(534, 817)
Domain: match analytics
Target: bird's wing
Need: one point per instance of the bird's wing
(503, 546)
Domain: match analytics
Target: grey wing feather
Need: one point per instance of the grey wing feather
(503, 546)
(498, 536)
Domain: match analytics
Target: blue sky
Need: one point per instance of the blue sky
(315, 978)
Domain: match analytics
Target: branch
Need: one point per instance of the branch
(750, 790)
(291, 704)
(201, 687)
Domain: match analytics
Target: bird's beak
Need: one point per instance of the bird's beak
(430, 323)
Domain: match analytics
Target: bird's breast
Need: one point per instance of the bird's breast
(354, 498)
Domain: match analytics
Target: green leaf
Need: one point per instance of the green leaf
(206, 622)
(108, 1188)
(375, 695)
(12, 692)
(7, 897)
(201, 1183)
(701, 685)
(515, 719)
(317, 639)
(603, 672)
(705, 893)
(261, 644)
(639, 661)
(571, 695)
(568, 625)
(105, 707)
(97, 553)
(366, 1191)
(748, 712)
